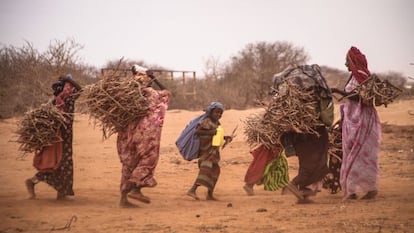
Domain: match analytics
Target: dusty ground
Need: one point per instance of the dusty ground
(97, 174)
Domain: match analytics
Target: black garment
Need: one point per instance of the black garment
(62, 178)
(312, 152)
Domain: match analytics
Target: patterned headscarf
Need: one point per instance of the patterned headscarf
(358, 64)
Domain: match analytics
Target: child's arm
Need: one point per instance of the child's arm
(203, 131)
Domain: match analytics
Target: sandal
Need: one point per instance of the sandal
(139, 197)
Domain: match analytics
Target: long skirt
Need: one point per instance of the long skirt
(208, 174)
(262, 156)
(61, 179)
(361, 137)
(312, 152)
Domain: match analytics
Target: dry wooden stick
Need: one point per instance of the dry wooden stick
(40, 127)
(114, 102)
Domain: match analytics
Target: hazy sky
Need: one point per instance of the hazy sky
(183, 34)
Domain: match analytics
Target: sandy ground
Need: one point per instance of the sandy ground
(97, 175)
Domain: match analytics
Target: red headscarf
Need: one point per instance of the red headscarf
(358, 64)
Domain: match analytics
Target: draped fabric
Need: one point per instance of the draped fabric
(209, 157)
(61, 178)
(361, 137)
(312, 152)
(138, 144)
(188, 143)
(262, 156)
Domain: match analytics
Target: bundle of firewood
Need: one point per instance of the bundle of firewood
(374, 91)
(40, 127)
(114, 102)
(292, 110)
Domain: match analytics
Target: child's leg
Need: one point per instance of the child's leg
(210, 196)
(192, 191)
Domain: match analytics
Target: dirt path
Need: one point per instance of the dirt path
(97, 174)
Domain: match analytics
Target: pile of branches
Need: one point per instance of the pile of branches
(292, 109)
(332, 180)
(374, 91)
(40, 127)
(114, 102)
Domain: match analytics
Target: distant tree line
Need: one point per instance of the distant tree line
(26, 75)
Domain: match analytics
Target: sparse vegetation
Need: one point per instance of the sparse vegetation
(26, 75)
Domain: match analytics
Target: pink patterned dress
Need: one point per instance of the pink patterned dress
(361, 137)
(139, 144)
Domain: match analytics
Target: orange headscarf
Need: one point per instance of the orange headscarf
(358, 64)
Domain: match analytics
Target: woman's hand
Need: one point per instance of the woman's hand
(150, 74)
(228, 139)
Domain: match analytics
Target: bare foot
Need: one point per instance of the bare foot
(306, 200)
(370, 195)
(248, 189)
(284, 191)
(211, 198)
(308, 192)
(30, 188)
(140, 197)
(193, 195)
(295, 191)
(352, 197)
(127, 204)
(63, 197)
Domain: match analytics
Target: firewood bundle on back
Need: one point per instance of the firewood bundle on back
(115, 101)
(40, 127)
(295, 111)
(332, 180)
(374, 91)
(295, 107)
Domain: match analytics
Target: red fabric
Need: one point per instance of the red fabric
(357, 64)
(261, 157)
(49, 158)
(60, 99)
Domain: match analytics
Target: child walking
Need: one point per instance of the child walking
(209, 153)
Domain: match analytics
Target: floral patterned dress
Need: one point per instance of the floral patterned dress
(139, 143)
(61, 179)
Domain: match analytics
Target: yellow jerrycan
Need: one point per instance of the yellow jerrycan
(218, 138)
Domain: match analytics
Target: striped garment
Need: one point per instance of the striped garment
(209, 157)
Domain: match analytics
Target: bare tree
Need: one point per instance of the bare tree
(250, 73)
(26, 74)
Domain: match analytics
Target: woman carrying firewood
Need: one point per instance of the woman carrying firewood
(66, 91)
(361, 134)
(139, 143)
(312, 153)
